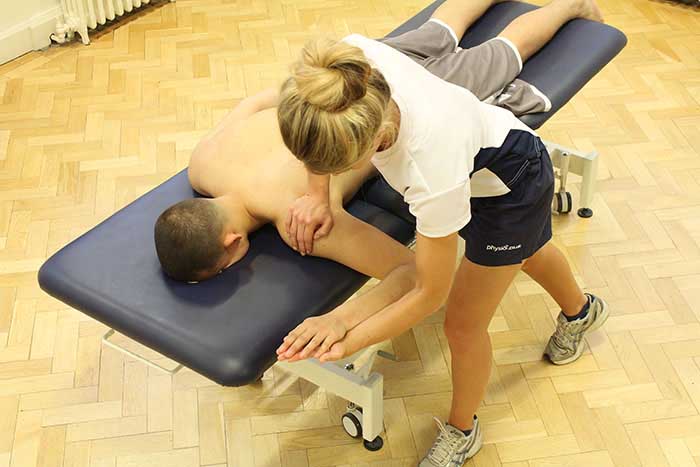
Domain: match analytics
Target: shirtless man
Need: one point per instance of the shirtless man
(251, 179)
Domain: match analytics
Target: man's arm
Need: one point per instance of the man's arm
(262, 100)
(370, 251)
(208, 144)
(244, 109)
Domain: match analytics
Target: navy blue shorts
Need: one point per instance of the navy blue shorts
(508, 229)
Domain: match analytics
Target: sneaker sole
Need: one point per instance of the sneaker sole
(596, 325)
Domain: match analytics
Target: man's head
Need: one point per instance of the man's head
(195, 241)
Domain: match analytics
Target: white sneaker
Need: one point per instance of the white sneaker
(566, 344)
(452, 447)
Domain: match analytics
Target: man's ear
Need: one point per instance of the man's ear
(232, 239)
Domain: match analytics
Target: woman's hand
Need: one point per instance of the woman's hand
(309, 218)
(312, 338)
(338, 351)
(341, 349)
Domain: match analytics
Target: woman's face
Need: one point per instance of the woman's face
(367, 157)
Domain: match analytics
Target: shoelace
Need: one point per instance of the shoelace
(565, 334)
(443, 446)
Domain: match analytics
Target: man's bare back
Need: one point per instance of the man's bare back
(248, 158)
(245, 158)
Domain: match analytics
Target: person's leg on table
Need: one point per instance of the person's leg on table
(486, 69)
(460, 14)
(532, 30)
(440, 35)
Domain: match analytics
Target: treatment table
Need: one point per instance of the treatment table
(229, 327)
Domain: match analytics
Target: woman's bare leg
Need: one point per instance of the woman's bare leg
(476, 293)
(549, 268)
(531, 31)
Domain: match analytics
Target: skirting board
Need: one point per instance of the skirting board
(32, 34)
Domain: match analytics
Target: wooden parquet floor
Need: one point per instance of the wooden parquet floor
(85, 130)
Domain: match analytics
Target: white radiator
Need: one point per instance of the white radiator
(81, 15)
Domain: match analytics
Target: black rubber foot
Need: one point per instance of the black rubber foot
(585, 212)
(375, 445)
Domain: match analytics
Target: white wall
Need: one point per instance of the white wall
(25, 25)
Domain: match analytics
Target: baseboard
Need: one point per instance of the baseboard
(32, 34)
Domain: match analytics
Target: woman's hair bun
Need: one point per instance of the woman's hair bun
(331, 75)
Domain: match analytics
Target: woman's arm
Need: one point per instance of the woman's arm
(366, 249)
(435, 269)
(309, 217)
(390, 308)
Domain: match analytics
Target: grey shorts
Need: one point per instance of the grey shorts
(488, 70)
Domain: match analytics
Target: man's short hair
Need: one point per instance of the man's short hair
(188, 239)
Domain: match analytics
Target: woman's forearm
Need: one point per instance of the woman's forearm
(394, 320)
(394, 286)
(435, 266)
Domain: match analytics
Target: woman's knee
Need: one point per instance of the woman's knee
(465, 319)
(458, 329)
(466, 338)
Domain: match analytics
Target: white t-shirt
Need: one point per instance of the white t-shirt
(443, 128)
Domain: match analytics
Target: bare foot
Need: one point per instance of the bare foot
(589, 10)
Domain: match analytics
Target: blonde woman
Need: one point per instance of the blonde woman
(464, 167)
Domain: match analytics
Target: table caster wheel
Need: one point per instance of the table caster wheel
(352, 423)
(562, 202)
(374, 445)
(585, 212)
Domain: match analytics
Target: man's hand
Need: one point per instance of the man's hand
(309, 218)
(314, 337)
